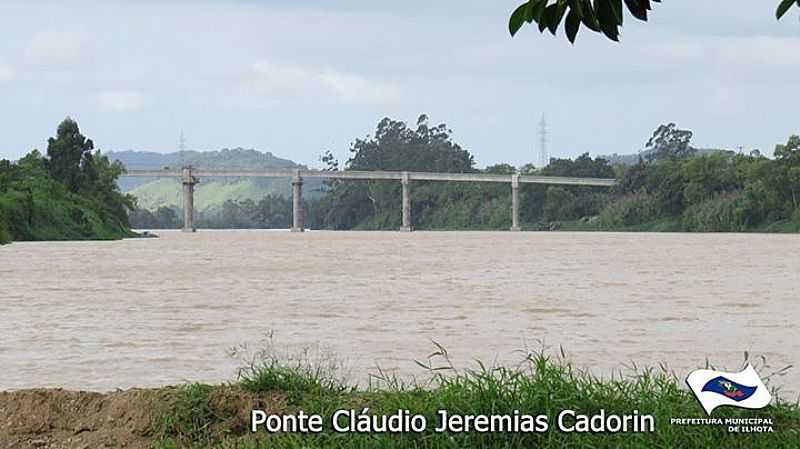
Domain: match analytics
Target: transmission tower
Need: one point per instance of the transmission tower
(544, 158)
(182, 147)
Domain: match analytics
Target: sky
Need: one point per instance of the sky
(300, 77)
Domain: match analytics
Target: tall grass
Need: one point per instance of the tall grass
(541, 385)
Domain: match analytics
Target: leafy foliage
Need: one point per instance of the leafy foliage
(161, 218)
(720, 191)
(675, 185)
(783, 7)
(669, 142)
(602, 16)
(395, 146)
(70, 194)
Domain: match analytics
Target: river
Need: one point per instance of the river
(150, 312)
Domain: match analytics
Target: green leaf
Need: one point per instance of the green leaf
(576, 7)
(537, 9)
(784, 6)
(602, 16)
(616, 7)
(517, 18)
(546, 18)
(558, 16)
(572, 25)
(607, 19)
(589, 17)
(637, 9)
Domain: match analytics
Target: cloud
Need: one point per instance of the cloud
(120, 101)
(6, 73)
(282, 80)
(356, 89)
(53, 48)
(759, 51)
(354, 61)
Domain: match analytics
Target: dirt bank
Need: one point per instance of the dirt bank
(60, 419)
(56, 419)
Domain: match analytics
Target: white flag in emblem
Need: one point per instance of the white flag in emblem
(716, 388)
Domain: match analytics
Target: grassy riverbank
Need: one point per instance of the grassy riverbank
(205, 416)
(218, 416)
(542, 386)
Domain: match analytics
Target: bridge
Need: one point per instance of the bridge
(190, 176)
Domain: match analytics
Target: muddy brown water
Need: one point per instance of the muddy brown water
(151, 312)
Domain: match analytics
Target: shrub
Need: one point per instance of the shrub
(631, 210)
(5, 236)
(559, 204)
(722, 213)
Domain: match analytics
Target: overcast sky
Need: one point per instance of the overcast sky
(298, 77)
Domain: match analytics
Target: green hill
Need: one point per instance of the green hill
(210, 193)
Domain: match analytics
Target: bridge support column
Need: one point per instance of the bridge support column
(298, 214)
(188, 181)
(515, 202)
(406, 182)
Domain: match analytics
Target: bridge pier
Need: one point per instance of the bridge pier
(298, 214)
(188, 181)
(407, 224)
(515, 203)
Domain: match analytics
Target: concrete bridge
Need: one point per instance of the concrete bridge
(190, 176)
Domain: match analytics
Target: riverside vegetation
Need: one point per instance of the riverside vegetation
(68, 194)
(200, 416)
(72, 192)
(670, 186)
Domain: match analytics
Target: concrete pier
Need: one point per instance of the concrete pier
(515, 202)
(407, 223)
(298, 214)
(188, 181)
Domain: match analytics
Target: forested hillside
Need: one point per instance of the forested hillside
(68, 194)
(211, 193)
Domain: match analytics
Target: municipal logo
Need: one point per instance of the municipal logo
(715, 389)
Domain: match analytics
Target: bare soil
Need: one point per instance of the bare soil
(59, 419)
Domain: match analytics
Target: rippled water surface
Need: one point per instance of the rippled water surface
(147, 312)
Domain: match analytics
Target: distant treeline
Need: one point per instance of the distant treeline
(72, 193)
(673, 187)
(68, 194)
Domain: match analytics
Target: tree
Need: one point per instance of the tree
(602, 16)
(790, 152)
(669, 142)
(69, 154)
(788, 156)
(329, 160)
(583, 167)
(398, 147)
(394, 147)
(100, 176)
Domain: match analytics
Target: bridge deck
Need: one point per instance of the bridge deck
(374, 175)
